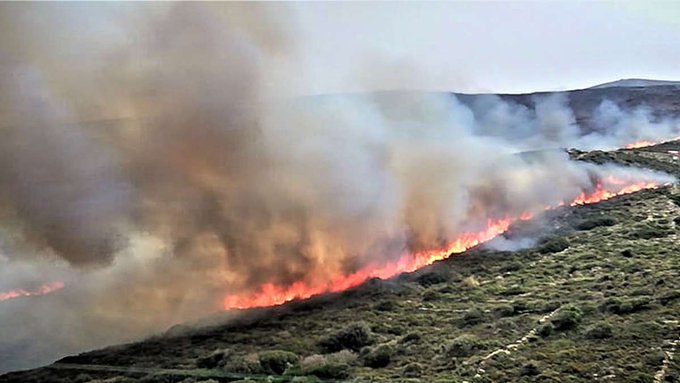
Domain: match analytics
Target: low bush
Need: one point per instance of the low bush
(592, 223)
(463, 346)
(625, 306)
(214, 359)
(472, 317)
(379, 356)
(277, 361)
(244, 365)
(502, 311)
(412, 370)
(566, 318)
(601, 330)
(554, 245)
(352, 337)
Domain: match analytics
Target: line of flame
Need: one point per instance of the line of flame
(270, 294)
(42, 290)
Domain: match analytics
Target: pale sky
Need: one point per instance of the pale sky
(485, 46)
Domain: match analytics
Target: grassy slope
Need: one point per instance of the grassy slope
(620, 278)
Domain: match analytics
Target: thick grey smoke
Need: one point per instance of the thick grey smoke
(154, 165)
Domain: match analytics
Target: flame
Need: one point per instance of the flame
(270, 294)
(42, 290)
(640, 144)
(645, 143)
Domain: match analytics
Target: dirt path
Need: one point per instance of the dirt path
(510, 348)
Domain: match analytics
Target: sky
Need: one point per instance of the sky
(509, 47)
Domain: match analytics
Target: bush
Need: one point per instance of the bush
(388, 305)
(352, 337)
(641, 377)
(545, 329)
(592, 223)
(602, 330)
(464, 345)
(244, 365)
(321, 367)
(212, 360)
(554, 245)
(432, 278)
(277, 361)
(379, 356)
(472, 317)
(330, 371)
(504, 311)
(567, 317)
(411, 337)
(625, 306)
(431, 295)
(412, 370)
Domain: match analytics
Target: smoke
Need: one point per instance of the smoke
(155, 163)
(551, 123)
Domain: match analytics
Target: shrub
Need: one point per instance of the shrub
(379, 356)
(545, 329)
(411, 337)
(471, 282)
(321, 367)
(529, 369)
(277, 361)
(503, 311)
(431, 295)
(244, 365)
(412, 370)
(602, 330)
(462, 346)
(625, 306)
(567, 317)
(342, 357)
(329, 371)
(641, 377)
(649, 232)
(432, 278)
(352, 337)
(388, 305)
(554, 245)
(472, 317)
(212, 360)
(592, 223)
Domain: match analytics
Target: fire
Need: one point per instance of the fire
(640, 144)
(42, 290)
(270, 294)
(645, 143)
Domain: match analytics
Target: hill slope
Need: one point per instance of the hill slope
(595, 300)
(636, 82)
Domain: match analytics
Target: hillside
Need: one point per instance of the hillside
(595, 300)
(635, 82)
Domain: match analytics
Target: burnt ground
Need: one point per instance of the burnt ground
(596, 299)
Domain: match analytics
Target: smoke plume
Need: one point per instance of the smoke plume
(152, 162)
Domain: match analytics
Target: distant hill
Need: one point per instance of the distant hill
(635, 83)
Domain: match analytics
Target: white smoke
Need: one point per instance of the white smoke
(199, 184)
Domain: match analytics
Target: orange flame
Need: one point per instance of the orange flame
(640, 144)
(270, 294)
(645, 143)
(42, 290)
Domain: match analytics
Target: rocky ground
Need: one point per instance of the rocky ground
(597, 299)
